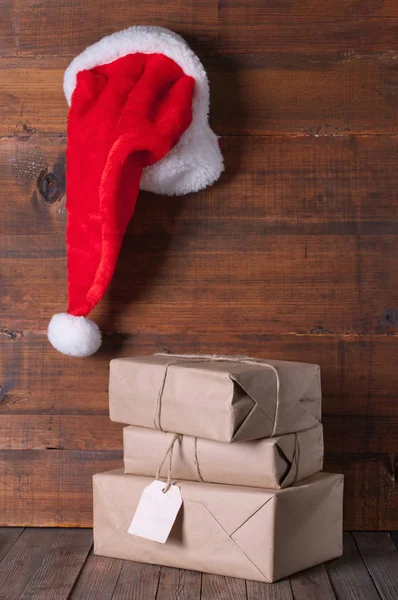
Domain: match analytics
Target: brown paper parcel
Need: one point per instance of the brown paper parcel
(268, 463)
(215, 398)
(252, 533)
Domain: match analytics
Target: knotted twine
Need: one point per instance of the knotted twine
(169, 453)
(204, 358)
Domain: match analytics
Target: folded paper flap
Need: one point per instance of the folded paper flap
(259, 388)
(254, 559)
(237, 512)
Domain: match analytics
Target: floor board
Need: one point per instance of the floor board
(313, 584)
(381, 559)
(349, 576)
(98, 579)
(179, 583)
(59, 564)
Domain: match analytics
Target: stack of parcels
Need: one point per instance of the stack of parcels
(247, 463)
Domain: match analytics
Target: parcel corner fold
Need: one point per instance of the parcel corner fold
(221, 400)
(252, 533)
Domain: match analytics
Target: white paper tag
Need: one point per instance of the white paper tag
(156, 512)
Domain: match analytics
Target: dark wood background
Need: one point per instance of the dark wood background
(292, 255)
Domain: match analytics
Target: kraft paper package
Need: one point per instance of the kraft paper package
(218, 398)
(246, 532)
(268, 463)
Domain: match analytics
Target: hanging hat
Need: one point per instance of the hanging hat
(138, 119)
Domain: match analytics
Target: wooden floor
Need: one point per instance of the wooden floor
(58, 564)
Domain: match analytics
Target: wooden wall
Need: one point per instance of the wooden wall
(292, 255)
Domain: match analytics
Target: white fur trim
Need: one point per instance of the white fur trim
(196, 161)
(75, 336)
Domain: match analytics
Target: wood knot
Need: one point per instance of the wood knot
(49, 187)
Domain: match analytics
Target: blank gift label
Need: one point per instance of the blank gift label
(156, 512)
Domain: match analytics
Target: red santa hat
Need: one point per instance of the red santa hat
(138, 119)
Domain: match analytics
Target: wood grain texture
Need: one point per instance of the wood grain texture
(349, 576)
(232, 26)
(179, 584)
(222, 588)
(59, 432)
(269, 591)
(61, 566)
(98, 579)
(370, 496)
(357, 379)
(381, 559)
(313, 584)
(50, 488)
(24, 560)
(294, 93)
(137, 581)
(8, 537)
(342, 434)
(209, 250)
(56, 554)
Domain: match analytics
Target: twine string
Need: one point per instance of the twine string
(196, 460)
(168, 453)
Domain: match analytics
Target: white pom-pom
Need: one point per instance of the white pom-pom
(75, 336)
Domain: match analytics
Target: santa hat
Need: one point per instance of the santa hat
(138, 119)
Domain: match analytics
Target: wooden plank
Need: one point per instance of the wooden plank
(98, 579)
(349, 190)
(267, 26)
(222, 588)
(349, 576)
(259, 281)
(285, 94)
(50, 488)
(24, 560)
(179, 583)
(191, 18)
(357, 378)
(381, 559)
(215, 302)
(312, 584)
(230, 27)
(59, 432)
(137, 581)
(60, 567)
(230, 282)
(8, 537)
(269, 591)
